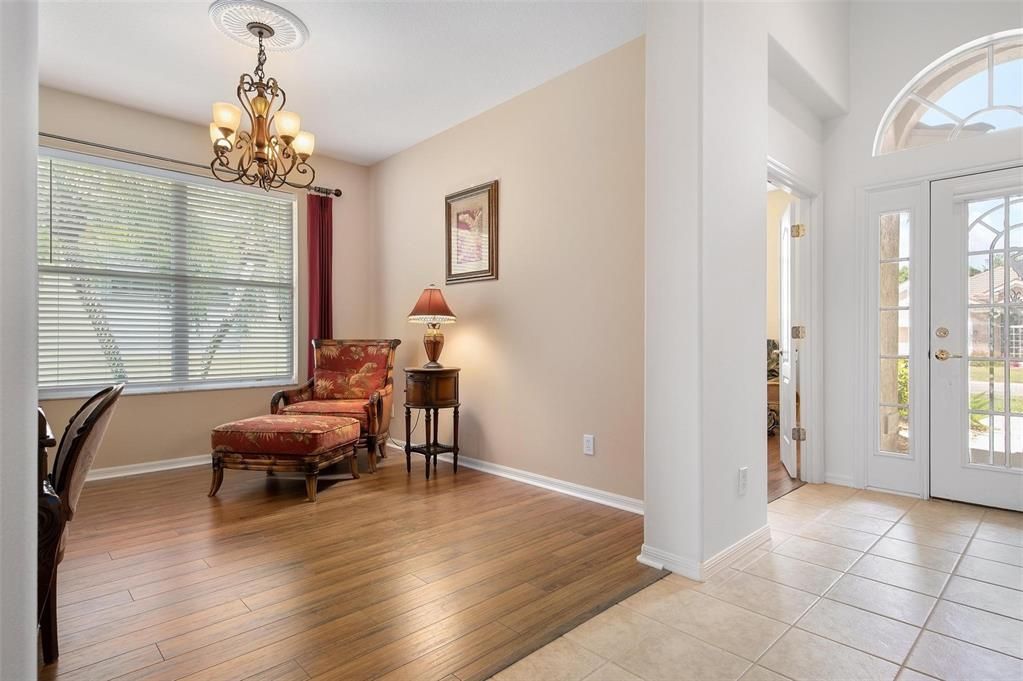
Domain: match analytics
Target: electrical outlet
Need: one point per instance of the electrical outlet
(588, 445)
(743, 480)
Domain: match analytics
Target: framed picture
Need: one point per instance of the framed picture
(470, 234)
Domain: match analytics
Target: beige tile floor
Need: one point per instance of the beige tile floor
(851, 585)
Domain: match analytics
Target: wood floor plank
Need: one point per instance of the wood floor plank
(107, 669)
(289, 671)
(93, 604)
(389, 576)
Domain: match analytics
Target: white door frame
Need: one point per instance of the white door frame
(811, 356)
(920, 325)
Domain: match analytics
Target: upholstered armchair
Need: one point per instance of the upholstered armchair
(353, 378)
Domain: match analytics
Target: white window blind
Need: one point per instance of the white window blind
(159, 280)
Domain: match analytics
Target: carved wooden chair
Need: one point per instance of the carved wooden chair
(59, 500)
(353, 378)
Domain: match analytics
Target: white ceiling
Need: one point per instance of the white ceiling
(374, 78)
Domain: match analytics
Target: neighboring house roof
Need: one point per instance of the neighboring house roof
(980, 284)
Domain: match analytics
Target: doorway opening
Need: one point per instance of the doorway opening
(783, 395)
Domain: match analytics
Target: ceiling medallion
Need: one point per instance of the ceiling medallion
(273, 151)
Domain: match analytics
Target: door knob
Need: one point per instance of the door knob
(944, 355)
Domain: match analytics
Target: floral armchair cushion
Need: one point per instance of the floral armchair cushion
(346, 371)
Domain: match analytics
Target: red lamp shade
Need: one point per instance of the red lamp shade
(431, 308)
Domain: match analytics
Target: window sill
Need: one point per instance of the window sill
(150, 389)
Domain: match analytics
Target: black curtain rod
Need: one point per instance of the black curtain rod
(326, 191)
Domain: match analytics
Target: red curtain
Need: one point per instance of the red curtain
(319, 218)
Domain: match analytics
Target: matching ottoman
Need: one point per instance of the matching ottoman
(283, 443)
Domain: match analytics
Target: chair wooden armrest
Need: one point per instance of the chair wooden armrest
(282, 398)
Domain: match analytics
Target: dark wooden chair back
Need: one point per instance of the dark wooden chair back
(79, 445)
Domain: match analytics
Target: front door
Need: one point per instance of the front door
(976, 339)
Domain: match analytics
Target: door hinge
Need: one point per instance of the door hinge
(798, 332)
(797, 230)
(798, 434)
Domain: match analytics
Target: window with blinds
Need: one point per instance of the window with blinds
(160, 280)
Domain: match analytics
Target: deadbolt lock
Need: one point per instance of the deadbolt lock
(941, 332)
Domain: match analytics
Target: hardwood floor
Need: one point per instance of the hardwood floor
(389, 576)
(778, 481)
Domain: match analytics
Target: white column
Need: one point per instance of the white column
(18, 462)
(672, 456)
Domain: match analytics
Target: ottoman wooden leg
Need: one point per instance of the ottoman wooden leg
(310, 486)
(354, 462)
(218, 477)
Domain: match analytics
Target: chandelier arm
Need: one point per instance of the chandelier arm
(224, 173)
(286, 156)
(244, 87)
(245, 159)
(303, 168)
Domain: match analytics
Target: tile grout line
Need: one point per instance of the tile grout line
(937, 599)
(940, 596)
(821, 597)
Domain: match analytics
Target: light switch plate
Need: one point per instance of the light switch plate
(588, 445)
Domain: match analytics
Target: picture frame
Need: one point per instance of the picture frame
(470, 234)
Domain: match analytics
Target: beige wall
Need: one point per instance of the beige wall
(550, 351)
(554, 348)
(777, 202)
(173, 425)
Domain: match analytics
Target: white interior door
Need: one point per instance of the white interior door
(976, 339)
(788, 362)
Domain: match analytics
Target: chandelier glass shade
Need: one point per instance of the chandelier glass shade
(274, 150)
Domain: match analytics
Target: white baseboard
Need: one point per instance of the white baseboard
(843, 480)
(148, 467)
(570, 488)
(727, 556)
(663, 560)
(687, 567)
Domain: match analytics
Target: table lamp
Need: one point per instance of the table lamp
(432, 310)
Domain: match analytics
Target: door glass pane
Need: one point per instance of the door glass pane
(894, 284)
(894, 426)
(894, 381)
(982, 237)
(980, 438)
(894, 333)
(1016, 441)
(986, 279)
(998, 437)
(986, 327)
(987, 386)
(1016, 387)
(895, 236)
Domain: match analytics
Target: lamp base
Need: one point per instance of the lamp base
(433, 341)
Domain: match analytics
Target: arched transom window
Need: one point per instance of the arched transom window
(973, 90)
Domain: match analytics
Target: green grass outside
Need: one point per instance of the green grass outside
(980, 373)
(980, 401)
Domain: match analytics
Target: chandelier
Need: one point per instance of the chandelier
(273, 150)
